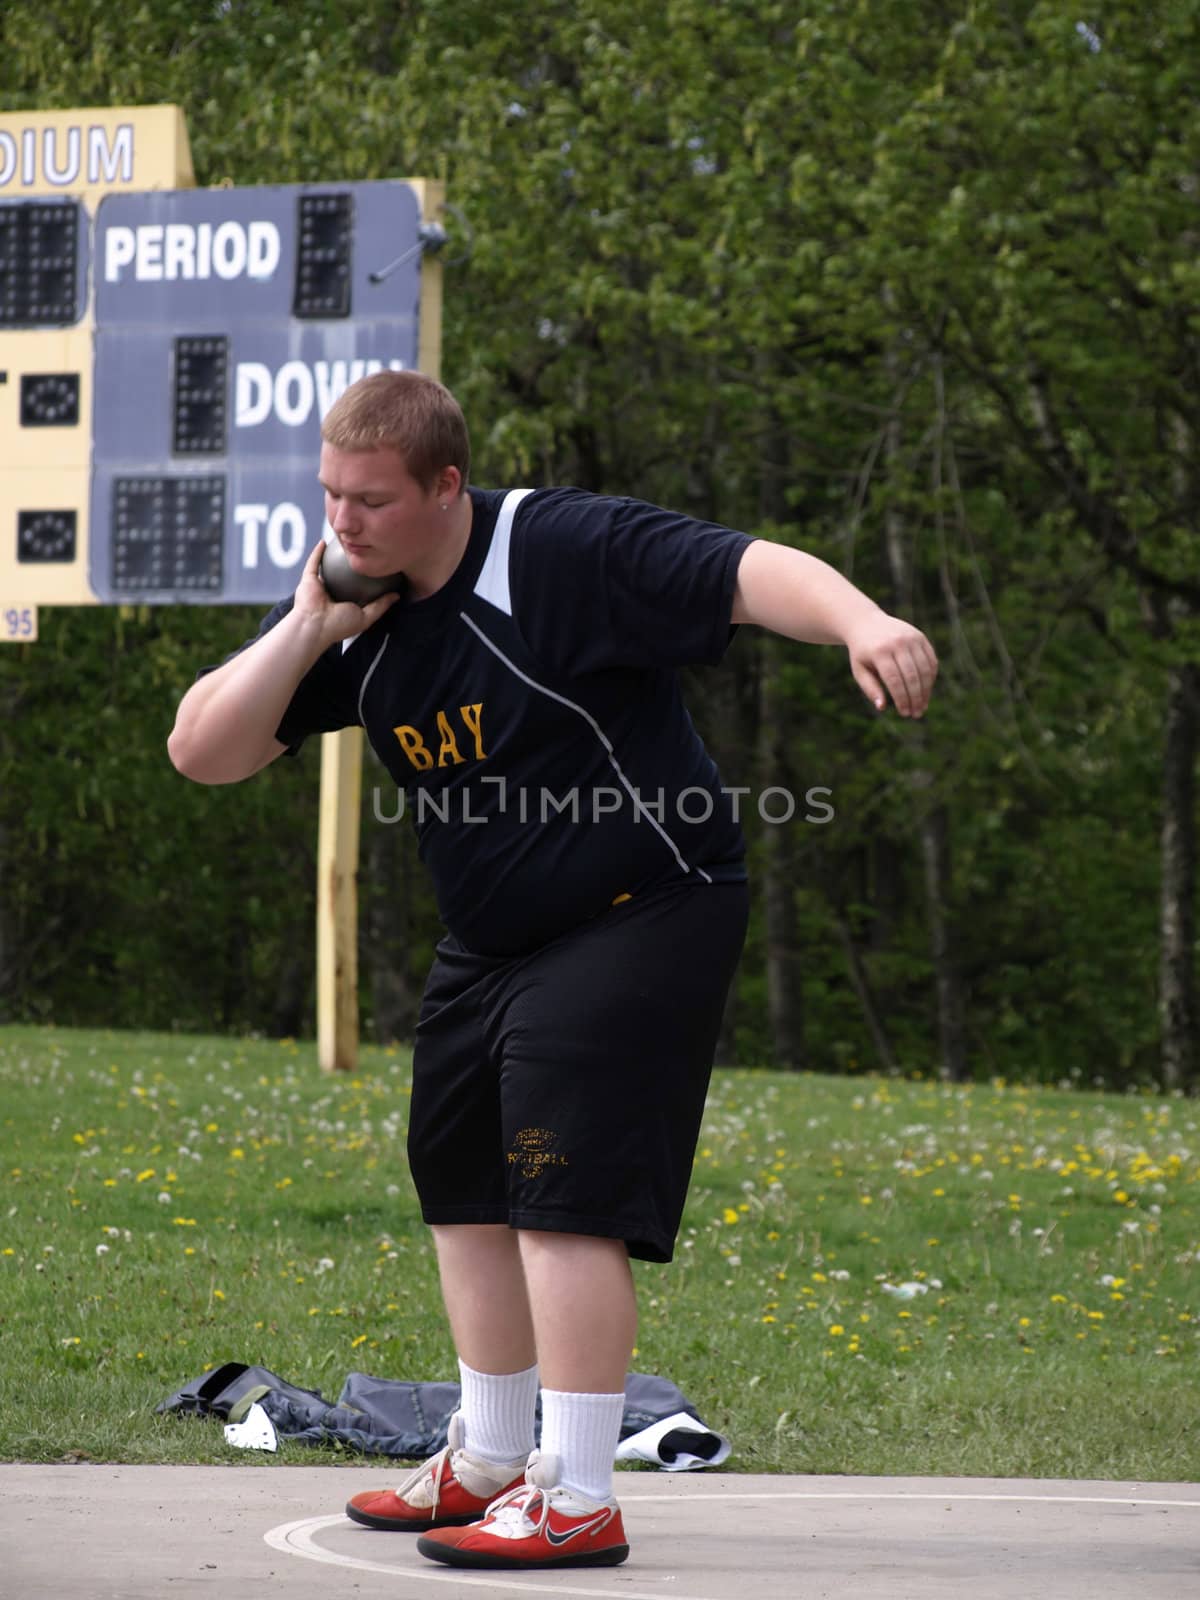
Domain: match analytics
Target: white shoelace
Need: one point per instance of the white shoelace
(512, 1516)
(509, 1516)
(431, 1469)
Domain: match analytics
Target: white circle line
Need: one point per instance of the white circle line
(298, 1538)
(912, 1494)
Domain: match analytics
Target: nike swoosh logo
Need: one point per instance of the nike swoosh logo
(582, 1527)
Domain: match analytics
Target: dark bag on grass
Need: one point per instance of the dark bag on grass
(385, 1416)
(230, 1390)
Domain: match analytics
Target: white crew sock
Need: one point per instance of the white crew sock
(581, 1431)
(498, 1412)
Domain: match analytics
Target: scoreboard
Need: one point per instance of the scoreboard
(227, 323)
(167, 354)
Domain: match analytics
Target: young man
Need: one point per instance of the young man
(589, 870)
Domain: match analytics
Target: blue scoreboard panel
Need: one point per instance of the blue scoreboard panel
(227, 321)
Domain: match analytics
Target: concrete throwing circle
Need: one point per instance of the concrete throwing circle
(1111, 1535)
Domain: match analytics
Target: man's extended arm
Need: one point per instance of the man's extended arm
(225, 726)
(803, 597)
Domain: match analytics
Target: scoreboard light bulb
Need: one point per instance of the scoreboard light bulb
(39, 251)
(324, 254)
(167, 535)
(45, 536)
(201, 404)
(49, 399)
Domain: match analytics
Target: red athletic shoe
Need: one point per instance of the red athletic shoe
(449, 1490)
(539, 1524)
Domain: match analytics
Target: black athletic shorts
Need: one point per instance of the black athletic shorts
(563, 1090)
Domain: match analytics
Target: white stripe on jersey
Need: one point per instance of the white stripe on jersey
(362, 691)
(492, 584)
(600, 734)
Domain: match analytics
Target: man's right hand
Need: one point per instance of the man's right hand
(337, 619)
(226, 723)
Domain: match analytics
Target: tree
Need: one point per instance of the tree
(906, 284)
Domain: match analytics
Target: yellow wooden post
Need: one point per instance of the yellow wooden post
(341, 775)
(80, 155)
(337, 900)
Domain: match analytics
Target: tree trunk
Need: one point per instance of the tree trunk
(293, 988)
(10, 941)
(866, 999)
(783, 957)
(724, 706)
(933, 828)
(1177, 909)
(935, 857)
(387, 916)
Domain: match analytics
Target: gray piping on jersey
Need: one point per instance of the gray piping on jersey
(600, 734)
(367, 679)
(492, 583)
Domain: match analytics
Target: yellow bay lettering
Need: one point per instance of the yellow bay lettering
(448, 754)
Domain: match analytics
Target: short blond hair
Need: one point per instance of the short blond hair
(407, 411)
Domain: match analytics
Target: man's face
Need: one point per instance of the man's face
(383, 518)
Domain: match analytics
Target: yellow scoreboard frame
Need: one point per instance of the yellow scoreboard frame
(78, 155)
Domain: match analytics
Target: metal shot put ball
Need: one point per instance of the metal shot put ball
(343, 583)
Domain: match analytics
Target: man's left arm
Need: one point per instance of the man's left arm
(803, 597)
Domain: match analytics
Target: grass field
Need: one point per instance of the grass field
(874, 1276)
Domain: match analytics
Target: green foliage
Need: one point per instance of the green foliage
(120, 878)
(914, 289)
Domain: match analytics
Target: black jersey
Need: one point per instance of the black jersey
(530, 714)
